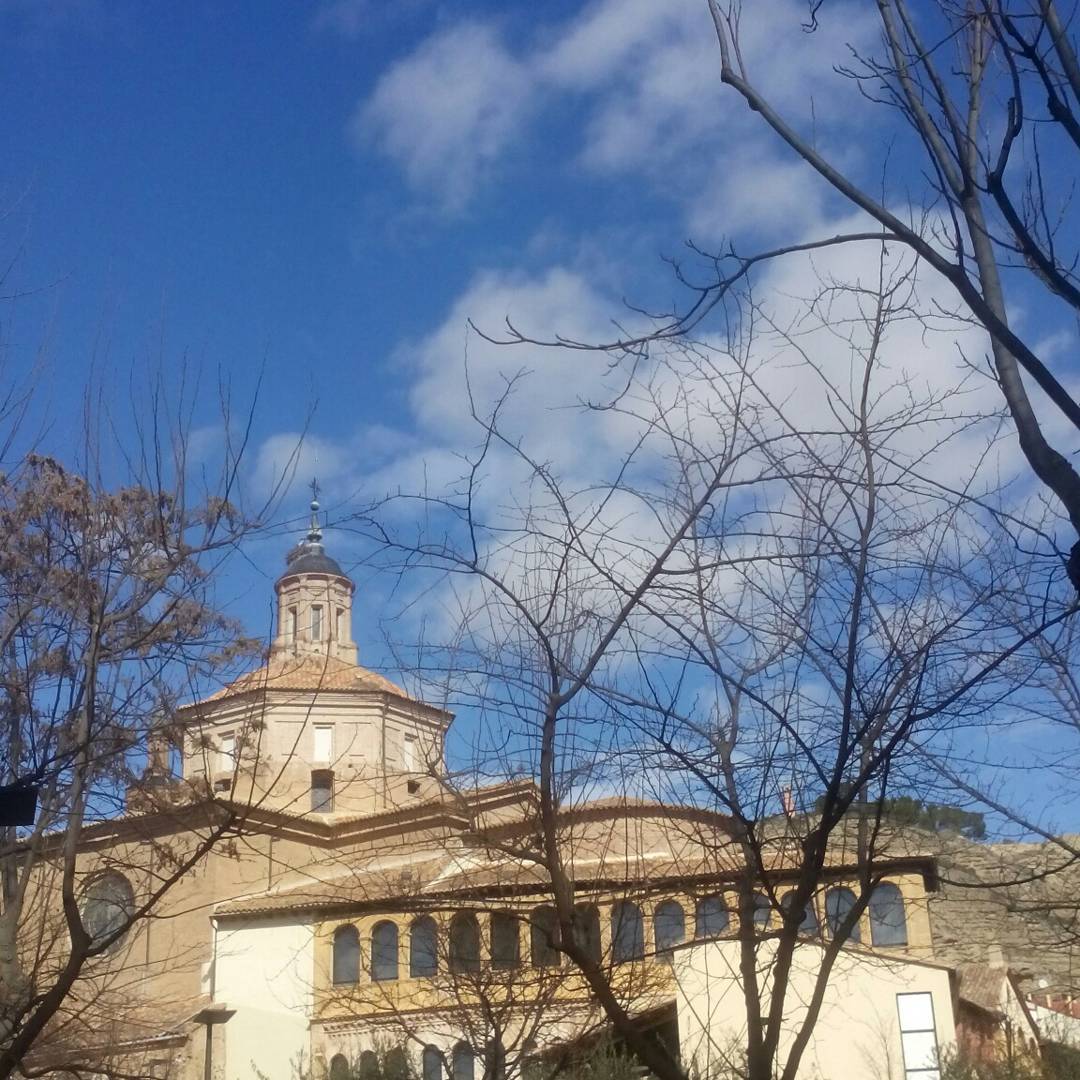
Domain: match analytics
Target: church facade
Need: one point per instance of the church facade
(364, 917)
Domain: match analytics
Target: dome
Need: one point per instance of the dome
(308, 558)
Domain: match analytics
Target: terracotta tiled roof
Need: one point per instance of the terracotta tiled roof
(983, 986)
(306, 673)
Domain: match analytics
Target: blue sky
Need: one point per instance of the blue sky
(325, 192)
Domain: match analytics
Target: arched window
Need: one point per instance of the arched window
(432, 1064)
(888, 925)
(108, 904)
(346, 955)
(669, 926)
(423, 946)
(530, 1065)
(464, 943)
(542, 951)
(384, 951)
(627, 932)
(838, 905)
(369, 1066)
(710, 917)
(396, 1065)
(339, 1068)
(762, 911)
(505, 941)
(587, 930)
(808, 923)
(462, 1064)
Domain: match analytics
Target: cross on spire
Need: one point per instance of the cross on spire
(314, 531)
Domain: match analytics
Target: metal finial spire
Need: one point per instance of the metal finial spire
(314, 531)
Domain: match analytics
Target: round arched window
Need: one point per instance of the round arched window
(108, 904)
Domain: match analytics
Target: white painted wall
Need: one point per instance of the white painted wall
(1056, 1026)
(857, 1033)
(265, 971)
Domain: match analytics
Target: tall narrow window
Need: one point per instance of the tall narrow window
(423, 941)
(627, 932)
(346, 965)
(324, 743)
(227, 753)
(408, 753)
(384, 952)
(322, 791)
(710, 917)
(462, 1066)
(542, 937)
(316, 622)
(918, 1036)
(290, 637)
(369, 1066)
(505, 941)
(887, 923)
(339, 1068)
(432, 1064)
(464, 942)
(396, 1065)
(339, 624)
(587, 930)
(669, 926)
(838, 905)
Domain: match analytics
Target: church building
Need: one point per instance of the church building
(364, 916)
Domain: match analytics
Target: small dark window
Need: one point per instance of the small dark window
(627, 932)
(432, 1064)
(542, 938)
(505, 941)
(587, 930)
(838, 905)
(108, 905)
(888, 926)
(423, 943)
(462, 1063)
(346, 963)
(384, 952)
(339, 1068)
(711, 917)
(322, 791)
(464, 943)
(669, 926)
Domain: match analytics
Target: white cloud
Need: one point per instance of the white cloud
(447, 112)
(639, 82)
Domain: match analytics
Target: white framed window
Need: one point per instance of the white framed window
(316, 622)
(227, 753)
(408, 753)
(324, 743)
(918, 1036)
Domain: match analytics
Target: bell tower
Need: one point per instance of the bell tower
(314, 600)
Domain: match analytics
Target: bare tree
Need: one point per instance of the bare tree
(107, 574)
(786, 591)
(986, 96)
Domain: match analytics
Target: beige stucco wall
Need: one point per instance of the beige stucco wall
(857, 1033)
(263, 970)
